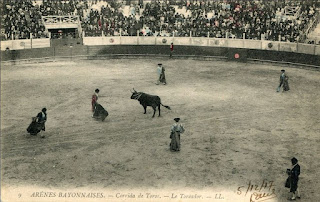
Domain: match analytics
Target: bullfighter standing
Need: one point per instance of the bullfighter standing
(161, 75)
(171, 50)
(294, 178)
(94, 100)
(159, 71)
(176, 130)
(99, 112)
(283, 81)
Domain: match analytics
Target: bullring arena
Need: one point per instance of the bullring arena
(238, 129)
(227, 56)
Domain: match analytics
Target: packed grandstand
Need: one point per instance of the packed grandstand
(276, 20)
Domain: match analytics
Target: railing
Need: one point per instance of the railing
(60, 19)
(62, 22)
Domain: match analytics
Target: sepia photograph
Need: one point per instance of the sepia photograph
(160, 100)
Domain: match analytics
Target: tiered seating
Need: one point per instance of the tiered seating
(255, 19)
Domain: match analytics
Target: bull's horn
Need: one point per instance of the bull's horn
(134, 90)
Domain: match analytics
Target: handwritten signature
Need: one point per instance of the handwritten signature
(258, 192)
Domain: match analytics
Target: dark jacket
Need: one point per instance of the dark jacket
(294, 178)
(295, 172)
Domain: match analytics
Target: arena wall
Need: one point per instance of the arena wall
(25, 44)
(195, 47)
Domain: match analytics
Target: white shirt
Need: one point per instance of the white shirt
(177, 127)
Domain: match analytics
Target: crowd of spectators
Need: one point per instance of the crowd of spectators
(252, 19)
(20, 19)
(200, 18)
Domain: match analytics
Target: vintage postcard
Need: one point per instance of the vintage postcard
(160, 100)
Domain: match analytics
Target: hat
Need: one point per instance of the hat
(177, 119)
(159, 64)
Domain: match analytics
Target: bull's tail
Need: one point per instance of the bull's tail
(166, 106)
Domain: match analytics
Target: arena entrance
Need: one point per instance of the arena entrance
(64, 30)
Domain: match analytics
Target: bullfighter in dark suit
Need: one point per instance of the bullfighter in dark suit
(38, 123)
(42, 118)
(283, 81)
(294, 178)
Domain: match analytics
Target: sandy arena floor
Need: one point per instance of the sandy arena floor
(239, 130)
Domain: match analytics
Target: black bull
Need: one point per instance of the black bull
(148, 100)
